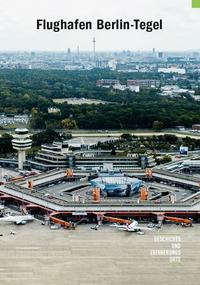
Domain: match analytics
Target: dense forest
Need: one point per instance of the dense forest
(33, 91)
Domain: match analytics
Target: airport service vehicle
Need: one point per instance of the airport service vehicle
(122, 224)
(182, 221)
(18, 220)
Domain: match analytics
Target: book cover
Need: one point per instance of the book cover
(99, 142)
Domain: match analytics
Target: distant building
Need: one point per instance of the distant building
(68, 52)
(51, 156)
(180, 128)
(127, 67)
(112, 64)
(172, 70)
(196, 127)
(148, 83)
(174, 90)
(134, 88)
(52, 110)
(101, 63)
(196, 97)
(118, 162)
(74, 66)
(115, 84)
(58, 155)
(87, 142)
(107, 82)
(120, 87)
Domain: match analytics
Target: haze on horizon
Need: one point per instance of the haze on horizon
(18, 25)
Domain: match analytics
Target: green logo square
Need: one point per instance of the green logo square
(195, 3)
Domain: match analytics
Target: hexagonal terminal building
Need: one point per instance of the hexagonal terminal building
(21, 143)
(117, 184)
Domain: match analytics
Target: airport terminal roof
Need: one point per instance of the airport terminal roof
(89, 141)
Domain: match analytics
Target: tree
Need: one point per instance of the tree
(47, 136)
(113, 151)
(37, 121)
(157, 125)
(5, 144)
(32, 151)
(126, 136)
(166, 158)
(69, 124)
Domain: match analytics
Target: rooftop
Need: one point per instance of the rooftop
(89, 141)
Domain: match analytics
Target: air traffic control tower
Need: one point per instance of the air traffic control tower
(21, 143)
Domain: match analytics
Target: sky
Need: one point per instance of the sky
(181, 25)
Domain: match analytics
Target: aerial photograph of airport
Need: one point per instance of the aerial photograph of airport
(99, 143)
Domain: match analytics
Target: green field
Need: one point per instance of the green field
(79, 101)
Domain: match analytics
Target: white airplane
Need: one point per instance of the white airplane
(133, 227)
(18, 220)
(1, 207)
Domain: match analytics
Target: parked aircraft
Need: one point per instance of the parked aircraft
(21, 219)
(1, 207)
(133, 227)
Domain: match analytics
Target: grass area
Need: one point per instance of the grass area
(79, 101)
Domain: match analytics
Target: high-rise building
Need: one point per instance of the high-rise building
(94, 47)
(68, 52)
(78, 52)
(21, 143)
